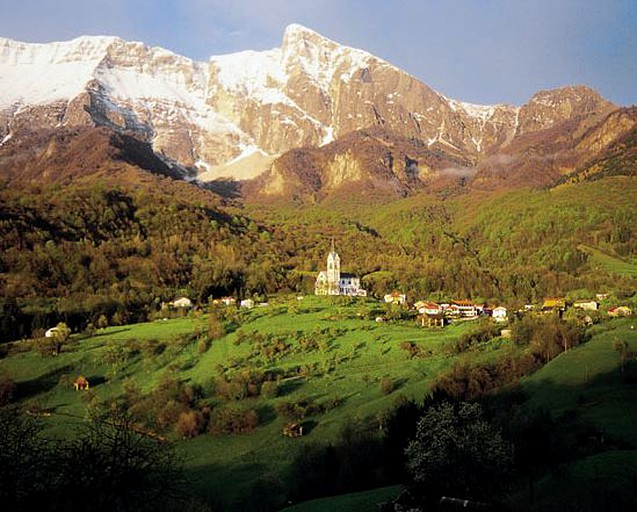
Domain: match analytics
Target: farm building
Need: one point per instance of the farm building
(620, 311)
(554, 305)
(588, 305)
(499, 314)
(395, 298)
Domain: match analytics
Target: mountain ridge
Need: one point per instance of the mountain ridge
(233, 116)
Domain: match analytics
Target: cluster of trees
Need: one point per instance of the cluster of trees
(540, 337)
(88, 252)
(441, 447)
(110, 465)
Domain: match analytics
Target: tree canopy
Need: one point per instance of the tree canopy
(457, 453)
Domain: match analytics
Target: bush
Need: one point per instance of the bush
(190, 423)
(233, 420)
(411, 348)
(270, 389)
(483, 333)
(387, 385)
(7, 388)
(202, 345)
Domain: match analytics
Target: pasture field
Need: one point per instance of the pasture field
(611, 264)
(329, 351)
(589, 386)
(352, 353)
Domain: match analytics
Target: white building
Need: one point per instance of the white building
(395, 298)
(52, 332)
(182, 303)
(334, 282)
(499, 314)
(246, 303)
(587, 305)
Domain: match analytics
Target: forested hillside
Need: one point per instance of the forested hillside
(88, 249)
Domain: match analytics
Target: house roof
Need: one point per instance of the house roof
(464, 302)
(428, 305)
(554, 303)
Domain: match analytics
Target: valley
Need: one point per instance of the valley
(143, 200)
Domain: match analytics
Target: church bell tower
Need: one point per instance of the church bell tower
(333, 272)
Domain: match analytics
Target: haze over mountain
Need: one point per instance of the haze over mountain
(236, 116)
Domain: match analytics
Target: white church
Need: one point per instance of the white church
(333, 282)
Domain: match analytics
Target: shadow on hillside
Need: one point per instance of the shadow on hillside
(230, 189)
(96, 380)
(240, 488)
(288, 386)
(308, 426)
(110, 333)
(266, 414)
(42, 384)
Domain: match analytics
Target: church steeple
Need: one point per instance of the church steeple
(333, 271)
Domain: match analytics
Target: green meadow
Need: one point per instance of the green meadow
(354, 353)
(611, 264)
(588, 386)
(336, 353)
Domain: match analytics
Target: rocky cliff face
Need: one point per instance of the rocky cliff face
(235, 114)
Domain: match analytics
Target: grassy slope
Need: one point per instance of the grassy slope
(586, 380)
(588, 383)
(360, 501)
(227, 466)
(610, 263)
(589, 380)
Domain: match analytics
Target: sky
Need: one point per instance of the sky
(479, 51)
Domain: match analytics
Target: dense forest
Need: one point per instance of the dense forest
(79, 252)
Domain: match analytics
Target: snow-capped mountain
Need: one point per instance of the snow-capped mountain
(232, 116)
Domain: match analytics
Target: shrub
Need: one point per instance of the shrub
(411, 348)
(483, 333)
(202, 345)
(190, 423)
(270, 389)
(216, 329)
(233, 420)
(387, 385)
(7, 388)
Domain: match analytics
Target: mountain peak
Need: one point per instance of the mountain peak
(297, 30)
(297, 37)
(569, 93)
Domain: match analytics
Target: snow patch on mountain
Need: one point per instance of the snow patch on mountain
(38, 74)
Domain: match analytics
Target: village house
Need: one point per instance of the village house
(587, 305)
(51, 333)
(81, 383)
(293, 430)
(246, 303)
(554, 305)
(464, 309)
(620, 311)
(431, 314)
(334, 282)
(181, 303)
(395, 298)
(499, 314)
